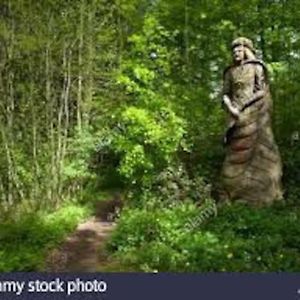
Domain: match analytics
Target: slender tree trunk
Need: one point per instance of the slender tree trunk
(89, 66)
(50, 126)
(66, 106)
(63, 126)
(13, 179)
(186, 32)
(9, 112)
(120, 34)
(35, 163)
(80, 66)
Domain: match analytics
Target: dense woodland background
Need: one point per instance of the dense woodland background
(124, 96)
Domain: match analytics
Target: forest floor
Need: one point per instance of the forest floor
(84, 250)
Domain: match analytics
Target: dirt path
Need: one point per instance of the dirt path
(83, 251)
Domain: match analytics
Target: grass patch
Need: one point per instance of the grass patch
(25, 243)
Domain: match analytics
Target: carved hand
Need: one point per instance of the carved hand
(232, 109)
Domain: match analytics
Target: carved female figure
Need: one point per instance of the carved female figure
(252, 168)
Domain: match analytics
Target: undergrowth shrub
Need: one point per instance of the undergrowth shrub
(24, 244)
(240, 238)
(147, 144)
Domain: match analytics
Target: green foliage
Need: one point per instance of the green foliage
(172, 185)
(80, 169)
(24, 244)
(150, 132)
(147, 143)
(157, 229)
(80, 150)
(240, 238)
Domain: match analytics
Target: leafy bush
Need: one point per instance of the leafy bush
(241, 238)
(148, 142)
(147, 237)
(76, 169)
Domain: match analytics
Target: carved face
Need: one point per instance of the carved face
(238, 53)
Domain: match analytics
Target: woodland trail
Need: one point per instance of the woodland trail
(84, 249)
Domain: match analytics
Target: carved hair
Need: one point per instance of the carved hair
(242, 41)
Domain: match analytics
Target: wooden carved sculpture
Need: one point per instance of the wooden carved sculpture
(252, 168)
